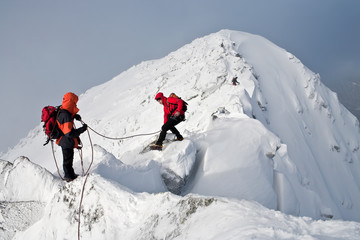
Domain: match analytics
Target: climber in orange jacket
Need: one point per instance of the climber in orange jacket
(173, 115)
(70, 139)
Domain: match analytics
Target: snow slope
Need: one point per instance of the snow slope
(280, 140)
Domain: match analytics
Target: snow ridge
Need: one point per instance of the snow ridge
(279, 140)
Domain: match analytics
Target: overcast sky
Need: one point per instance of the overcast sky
(48, 48)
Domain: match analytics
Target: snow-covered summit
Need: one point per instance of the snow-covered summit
(280, 138)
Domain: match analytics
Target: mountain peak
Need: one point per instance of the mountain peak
(280, 137)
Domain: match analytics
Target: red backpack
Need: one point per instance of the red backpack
(49, 116)
(184, 108)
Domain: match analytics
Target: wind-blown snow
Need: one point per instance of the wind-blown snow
(278, 143)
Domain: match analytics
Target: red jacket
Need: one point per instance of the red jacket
(171, 105)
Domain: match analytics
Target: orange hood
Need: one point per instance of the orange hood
(69, 103)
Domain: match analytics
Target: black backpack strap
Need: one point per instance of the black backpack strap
(47, 141)
(171, 112)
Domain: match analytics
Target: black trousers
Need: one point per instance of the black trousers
(169, 125)
(68, 158)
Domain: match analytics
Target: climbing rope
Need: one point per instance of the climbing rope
(81, 199)
(92, 148)
(92, 152)
(53, 152)
(121, 138)
(87, 175)
(92, 160)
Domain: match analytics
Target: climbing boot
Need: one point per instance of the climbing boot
(70, 179)
(156, 147)
(179, 138)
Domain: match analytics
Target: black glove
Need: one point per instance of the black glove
(77, 117)
(178, 118)
(83, 128)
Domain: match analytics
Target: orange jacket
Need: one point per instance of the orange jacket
(65, 122)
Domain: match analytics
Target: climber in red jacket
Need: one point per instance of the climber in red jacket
(173, 115)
